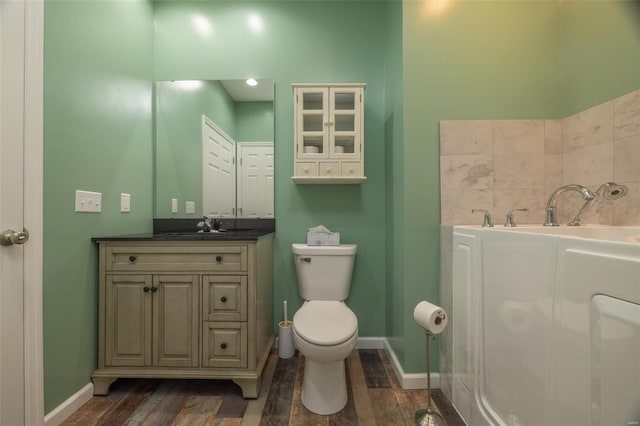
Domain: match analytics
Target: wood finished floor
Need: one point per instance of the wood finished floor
(375, 398)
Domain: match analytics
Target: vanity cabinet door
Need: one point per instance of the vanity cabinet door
(128, 320)
(175, 323)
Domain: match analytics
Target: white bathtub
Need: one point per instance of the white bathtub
(546, 327)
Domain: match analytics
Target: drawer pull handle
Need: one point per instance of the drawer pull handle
(223, 299)
(132, 258)
(223, 346)
(219, 258)
(145, 289)
(154, 289)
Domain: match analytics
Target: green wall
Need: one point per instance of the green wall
(97, 137)
(600, 52)
(255, 121)
(299, 42)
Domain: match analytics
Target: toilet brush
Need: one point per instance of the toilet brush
(426, 416)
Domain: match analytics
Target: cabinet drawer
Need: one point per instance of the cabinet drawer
(176, 258)
(224, 298)
(306, 169)
(328, 168)
(224, 345)
(351, 168)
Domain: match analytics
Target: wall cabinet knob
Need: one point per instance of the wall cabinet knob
(218, 258)
(223, 299)
(145, 289)
(223, 346)
(154, 289)
(132, 258)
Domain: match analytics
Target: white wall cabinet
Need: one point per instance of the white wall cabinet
(328, 133)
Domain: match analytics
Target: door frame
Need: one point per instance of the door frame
(33, 211)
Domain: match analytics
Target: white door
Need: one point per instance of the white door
(21, 36)
(255, 180)
(218, 171)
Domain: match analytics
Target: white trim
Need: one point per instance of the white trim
(370, 343)
(68, 407)
(362, 343)
(33, 213)
(410, 380)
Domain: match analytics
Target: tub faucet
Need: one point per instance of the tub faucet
(551, 217)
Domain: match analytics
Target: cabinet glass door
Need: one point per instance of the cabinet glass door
(345, 116)
(313, 118)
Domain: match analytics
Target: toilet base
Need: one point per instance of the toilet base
(324, 387)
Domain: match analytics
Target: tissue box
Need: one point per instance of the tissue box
(323, 238)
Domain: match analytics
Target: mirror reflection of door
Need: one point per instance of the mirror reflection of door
(255, 180)
(218, 171)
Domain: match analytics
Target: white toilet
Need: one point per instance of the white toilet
(325, 330)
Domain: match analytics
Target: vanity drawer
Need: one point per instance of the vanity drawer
(224, 298)
(224, 344)
(129, 258)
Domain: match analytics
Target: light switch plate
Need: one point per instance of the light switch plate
(190, 207)
(174, 205)
(125, 203)
(88, 202)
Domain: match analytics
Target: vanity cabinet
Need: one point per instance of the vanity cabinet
(185, 309)
(328, 133)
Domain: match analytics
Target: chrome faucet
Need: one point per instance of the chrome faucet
(608, 191)
(551, 217)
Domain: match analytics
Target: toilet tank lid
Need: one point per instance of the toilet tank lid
(342, 249)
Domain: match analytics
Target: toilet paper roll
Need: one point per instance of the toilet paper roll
(430, 317)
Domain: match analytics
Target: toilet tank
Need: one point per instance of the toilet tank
(324, 272)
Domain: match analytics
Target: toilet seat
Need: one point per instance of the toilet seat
(325, 323)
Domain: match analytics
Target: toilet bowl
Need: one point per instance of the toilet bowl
(325, 332)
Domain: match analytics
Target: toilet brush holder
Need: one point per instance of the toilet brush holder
(286, 348)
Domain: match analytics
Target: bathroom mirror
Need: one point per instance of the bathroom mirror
(213, 148)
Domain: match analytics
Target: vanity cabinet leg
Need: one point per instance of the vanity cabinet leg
(101, 385)
(250, 387)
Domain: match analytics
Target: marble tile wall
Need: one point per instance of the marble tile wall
(499, 165)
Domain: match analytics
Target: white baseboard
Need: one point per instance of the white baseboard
(370, 343)
(363, 343)
(410, 380)
(68, 407)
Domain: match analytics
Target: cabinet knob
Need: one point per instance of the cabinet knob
(132, 258)
(223, 299)
(223, 346)
(154, 289)
(218, 258)
(145, 289)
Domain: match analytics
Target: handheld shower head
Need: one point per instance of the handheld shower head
(612, 191)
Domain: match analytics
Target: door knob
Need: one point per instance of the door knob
(11, 237)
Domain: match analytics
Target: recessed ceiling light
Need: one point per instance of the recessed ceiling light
(252, 82)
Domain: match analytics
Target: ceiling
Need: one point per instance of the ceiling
(240, 91)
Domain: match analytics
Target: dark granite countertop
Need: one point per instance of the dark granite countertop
(231, 235)
(186, 230)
